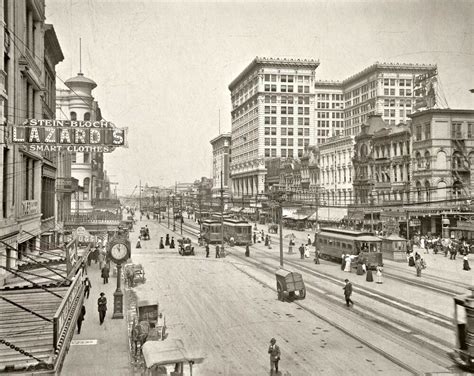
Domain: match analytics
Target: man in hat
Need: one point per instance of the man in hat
(348, 292)
(102, 307)
(274, 352)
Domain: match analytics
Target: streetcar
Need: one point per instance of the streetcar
(238, 229)
(333, 242)
(211, 231)
(463, 354)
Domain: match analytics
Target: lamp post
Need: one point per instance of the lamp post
(174, 217)
(168, 209)
(181, 212)
(159, 208)
(372, 198)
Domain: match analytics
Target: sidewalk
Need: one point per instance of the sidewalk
(99, 349)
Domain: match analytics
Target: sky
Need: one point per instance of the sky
(163, 68)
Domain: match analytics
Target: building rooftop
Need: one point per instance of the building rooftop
(277, 62)
(391, 66)
(442, 111)
(80, 80)
(222, 135)
(328, 83)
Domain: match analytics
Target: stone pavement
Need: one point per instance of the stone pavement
(99, 349)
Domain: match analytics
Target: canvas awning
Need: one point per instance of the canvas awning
(331, 214)
(248, 210)
(296, 217)
(235, 209)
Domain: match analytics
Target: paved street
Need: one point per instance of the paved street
(220, 308)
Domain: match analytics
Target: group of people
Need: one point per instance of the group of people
(168, 243)
(363, 267)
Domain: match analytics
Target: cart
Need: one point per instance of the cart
(168, 358)
(290, 285)
(134, 273)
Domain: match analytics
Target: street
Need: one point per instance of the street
(227, 310)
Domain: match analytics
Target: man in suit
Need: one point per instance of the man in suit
(274, 352)
(348, 292)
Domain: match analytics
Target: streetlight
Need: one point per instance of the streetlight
(372, 198)
(279, 197)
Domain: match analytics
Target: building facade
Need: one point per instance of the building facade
(221, 146)
(272, 116)
(329, 111)
(30, 53)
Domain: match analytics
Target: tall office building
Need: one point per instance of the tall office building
(385, 89)
(272, 116)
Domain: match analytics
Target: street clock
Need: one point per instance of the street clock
(119, 250)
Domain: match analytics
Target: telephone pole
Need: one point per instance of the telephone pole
(222, 213)
(140, 197)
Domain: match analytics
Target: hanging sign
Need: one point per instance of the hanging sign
(69, 135)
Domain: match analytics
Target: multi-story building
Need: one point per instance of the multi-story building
(272, 116)
(221, 146)
(329, 111)
(77, 103)
(31, 51)
(385, 89)
(335, 171)
(442, 165)
(381, 171)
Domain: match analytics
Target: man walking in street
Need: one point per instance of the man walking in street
(105, 273)
(87, 287)
(218, 253)
(102, 307)
(275, 354)
(348, 292)
(207, 250)
(301, 249)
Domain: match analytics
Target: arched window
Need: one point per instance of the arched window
(428, 190)
(87, 116)
(456, 161)
(418, 191)
(457, 189)
(73, 115)
(427, 159)
(418, 160)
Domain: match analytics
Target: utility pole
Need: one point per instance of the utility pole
(222, 214)
(140, 197)
(159, 208)
(168, 210)
(174, 216)
(181, 212)
(317, 221)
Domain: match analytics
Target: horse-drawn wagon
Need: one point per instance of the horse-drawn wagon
(148, 325)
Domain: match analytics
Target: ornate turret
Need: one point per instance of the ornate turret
(81, 84)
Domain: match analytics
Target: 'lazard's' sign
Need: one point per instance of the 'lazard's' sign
(69, 135)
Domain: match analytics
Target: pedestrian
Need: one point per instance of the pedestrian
(80, 319)
(87, 287)
(316, 257)
(89, 258)
(369, 277)
(343, 261)
(360, 263)
(162, 246)
(218, 254)
(207, 249)
(290, 246)
(266, 241)
(348, 292)
(275, 355)
(306, 251)
(411, 260)
(167, 240)
(247, 250)
(347, 267)
(172, 242)
(102, 307)
(309, 239)
(95, 255)
(254, 238)
(105, 274)
(418, 267)
(139, 244)
(465, 263)
(101, 258)
(269, 243)
(378, 274)
(301, 249)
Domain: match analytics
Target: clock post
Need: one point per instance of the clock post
(119, 252)
(118, 295)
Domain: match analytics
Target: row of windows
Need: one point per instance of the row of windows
(286, 99)
(393, 82)
(287, 88)
(401, 92)
(334, 106)
(326, 97)
(326, 123)
(286, 131)
(283, 152)
(287, 78)
(286, 120)
(392, 113)
(393, 102)
(286, 141)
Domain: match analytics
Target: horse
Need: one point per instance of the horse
(130, 275)
(140, 333)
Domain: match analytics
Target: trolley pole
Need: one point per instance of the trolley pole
(181, 212)
(281, 234)
(174, 217)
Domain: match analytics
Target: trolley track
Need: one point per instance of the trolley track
(404, 335)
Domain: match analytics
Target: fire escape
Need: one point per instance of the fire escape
(461, 166)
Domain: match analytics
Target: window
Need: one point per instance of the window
(290, 110)
(283, 88)
(283, 131)
(274, 88)
(283, 110)
(392, 91)
(300, 110)
(306, 89)
(274, 153)
(290, 153)
(306, 131)
(267, 152)
(274, 131)
(290, 90)
(274, 120)
(283, 142)
(385, 91)
(290, 131)
(300, 142)
(300, 131)
(306, 121)
(73, 116)
(290, 142)
(290, 121)
(87, 116)
(267, 87)
(267, 142)
(418, 133)
(274, 141)
(283, 121)
(267, 109)
(267, 120)
(283, 153)
(267, 131)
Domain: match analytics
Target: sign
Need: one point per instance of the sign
(81, 231)
(424, 89)
(69, 135)
(415, 222)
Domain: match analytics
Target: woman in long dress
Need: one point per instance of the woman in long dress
(369, 277)
(378, 275)
(347, 267)
(306, 251)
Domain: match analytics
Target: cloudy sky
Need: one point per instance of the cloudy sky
(163, 68)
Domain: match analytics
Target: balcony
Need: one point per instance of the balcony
(29, 207)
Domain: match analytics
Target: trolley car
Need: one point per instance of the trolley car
(333, 242)
(211, 231)
(463, 354)
(238, 229)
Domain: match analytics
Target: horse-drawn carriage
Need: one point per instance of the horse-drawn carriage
(134, 273)
(290, 285)
(145, 233)
(148, 325)
(185, 247)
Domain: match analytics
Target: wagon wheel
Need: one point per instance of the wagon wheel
(302, 293)
(280, 291)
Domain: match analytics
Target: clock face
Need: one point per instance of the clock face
(119, 251)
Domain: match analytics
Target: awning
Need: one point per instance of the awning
(296, 217)
(168, 352)
(235, 209)
(288, 211)
(331, 214)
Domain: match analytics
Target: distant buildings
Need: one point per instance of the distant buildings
(221, 157)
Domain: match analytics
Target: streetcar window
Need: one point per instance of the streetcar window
(349, 246)
(344, 245)
(338, 244)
